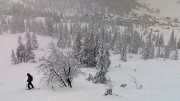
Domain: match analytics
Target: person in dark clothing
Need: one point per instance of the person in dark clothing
(29, 80)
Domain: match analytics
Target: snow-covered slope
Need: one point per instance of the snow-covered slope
(167, 7)
(160, 79)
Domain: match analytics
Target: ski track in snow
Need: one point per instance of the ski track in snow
(160, 79)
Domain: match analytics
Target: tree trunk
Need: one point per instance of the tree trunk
(69, 82)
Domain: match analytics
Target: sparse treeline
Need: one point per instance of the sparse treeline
(89, 30)
(24, 52)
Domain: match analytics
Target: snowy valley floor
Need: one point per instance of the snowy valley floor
(160, 79)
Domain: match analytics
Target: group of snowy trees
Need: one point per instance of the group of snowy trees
(24, 52)
(89, 32)
(169, 51)
(89, 49)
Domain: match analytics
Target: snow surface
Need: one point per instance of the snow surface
(160, 79)
(168, 8)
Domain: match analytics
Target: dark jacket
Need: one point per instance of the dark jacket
(30, 78)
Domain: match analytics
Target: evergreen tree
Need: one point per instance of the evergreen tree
(29, 54)
(175, 57)
(65, 31)
(174, 44)
(157, 40)
(178, 44)
(4, 24)
(77, 46)
(14, 59)
(28, 26)
(171, 42)
(69, 41)
(20, 52)
(34, 43)
(34, 26)
(12, 25)
(103, 62)
(89, 50)
(41, 29)
(28, 37)
(161, 41)
(118, 44)
(21, 25)
(124, 48)
(146, 52)
(61, 42)
(49, 27)
(114, 39)
(135, 43)
(55, 31)
(158, 53)
(151, 54)
(167, 52)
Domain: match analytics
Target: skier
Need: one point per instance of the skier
(29, 80)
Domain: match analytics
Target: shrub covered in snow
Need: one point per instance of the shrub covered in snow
(59, 67)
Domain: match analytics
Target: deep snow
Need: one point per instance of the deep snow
(160, 79)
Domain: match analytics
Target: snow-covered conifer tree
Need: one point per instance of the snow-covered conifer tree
(171, 42)
(118, 44)
(135, 43)
(14, 58)
(103, 63)
(175, 57)
(29, 54)
(158, 53)
(176, 54)
(146, 52)
(161, 41)
(167, 52)
(4, 24)
(49, 27)
(20, 52)
(77, 46)
(69, 41)
(157, 40)
(151, 54)
(41, 28)
(61, 42)
(21, 25)
(178, 44)
(34, 43)
(113, 40)
(174, 44)
(124, 48)
(28, 37)
(28, 25)
(89, 50)
(12, 26)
